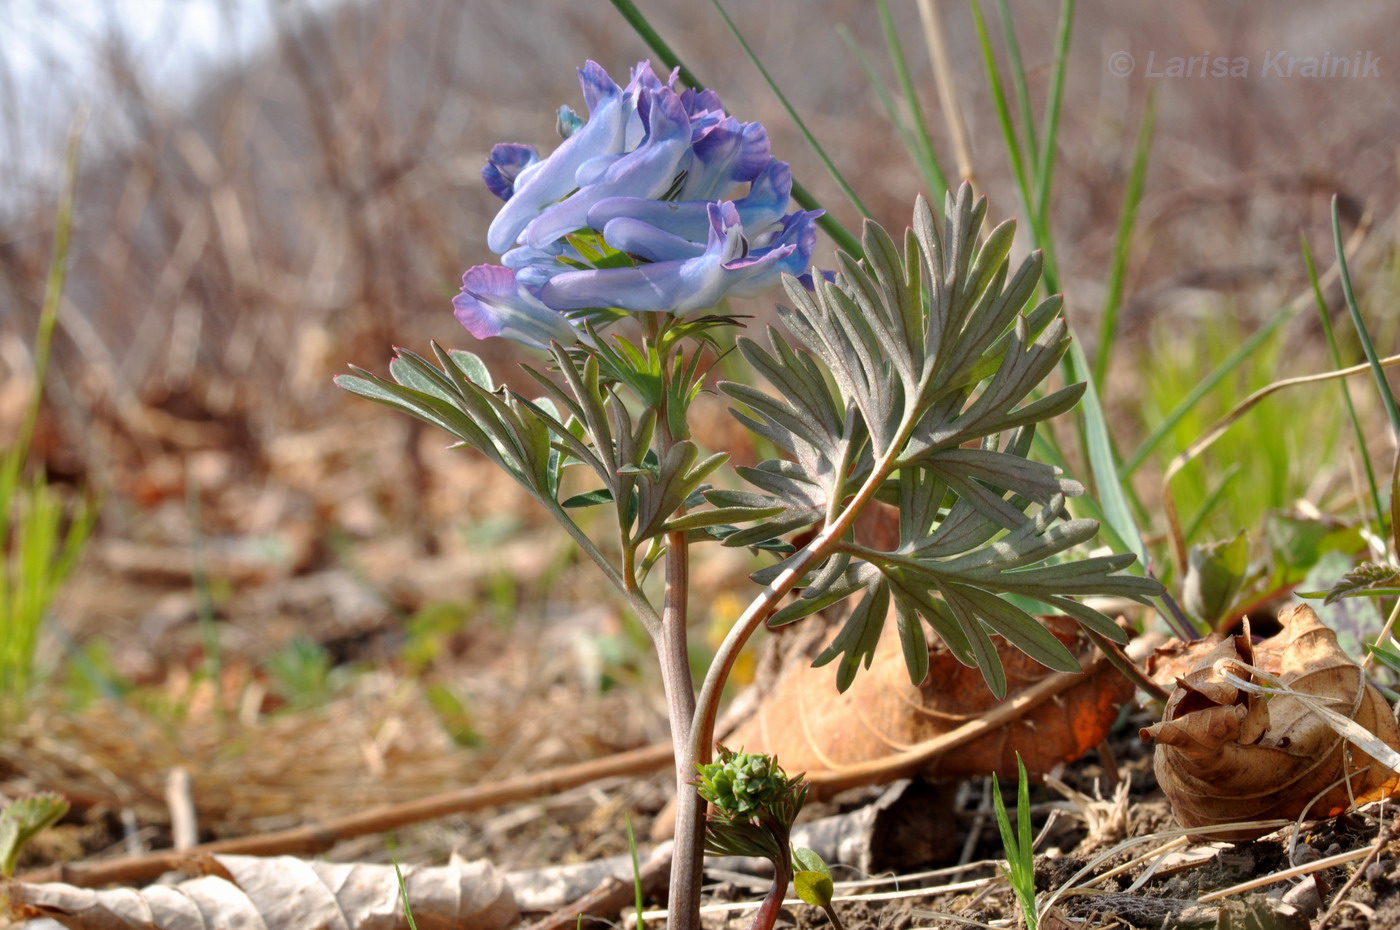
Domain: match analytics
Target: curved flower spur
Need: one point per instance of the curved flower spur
(628, 215)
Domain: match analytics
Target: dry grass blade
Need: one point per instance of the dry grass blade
(1170, 839)
(321, 836)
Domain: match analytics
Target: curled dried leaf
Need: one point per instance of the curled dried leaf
(283, 893)
(1247, 736)
(816, 729)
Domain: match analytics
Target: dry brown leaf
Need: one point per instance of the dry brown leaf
(812, 727)
(284, 893)
(1227, 755)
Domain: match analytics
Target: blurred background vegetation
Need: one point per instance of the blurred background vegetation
(271, 189)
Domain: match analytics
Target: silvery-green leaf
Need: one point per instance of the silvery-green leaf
(722, 515)
(856, 642)
(589, 498)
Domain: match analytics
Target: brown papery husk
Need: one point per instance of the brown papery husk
(1226, 755)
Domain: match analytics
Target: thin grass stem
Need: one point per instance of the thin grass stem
(927, 157)
(1049, 136)
(1122, 242)
(1325, 319)
(1018, 81)
(811, 140)
(1382, 385)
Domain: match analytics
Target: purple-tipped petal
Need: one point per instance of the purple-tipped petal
(729, 153)
(493, 304)
(504, 165)
(648, 171)
(555, 177)
(640, 144)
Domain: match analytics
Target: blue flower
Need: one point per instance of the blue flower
(633, 212)
(493, 303)
(680, 277)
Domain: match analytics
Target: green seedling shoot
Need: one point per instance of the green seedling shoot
(753, 804)
(1019, 843)
(23, 819)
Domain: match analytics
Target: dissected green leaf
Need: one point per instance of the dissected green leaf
(589, 498)
(1367, 578)
(931, 351)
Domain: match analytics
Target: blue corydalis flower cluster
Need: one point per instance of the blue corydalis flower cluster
(628, 214)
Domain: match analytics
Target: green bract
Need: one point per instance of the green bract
(741, 784)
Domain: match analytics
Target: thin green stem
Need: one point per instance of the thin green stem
(906, 136)
(1018, 80)
(1336, 354)
(1122, 242)
(1045, 166)
(53, 288)
(1372, 357)
(825, 542)
(828, 223)
(922, 139)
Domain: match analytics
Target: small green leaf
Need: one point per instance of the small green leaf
(1386, 656)
(808, 860)
(813, 884)
(590, 498)
(1214, 575)
(22, 820)
(815, 888)
(721, 516)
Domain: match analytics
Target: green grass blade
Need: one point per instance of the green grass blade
(1008, 128)
(1049, 136)
(1018, 81)
(1382, 385)
(403, 897)
(53, 289)
(906, 136)
(927, 158)
(839, 234)
(1039, 232)
(636, 873)
(1122, 241)
(1336, 354)
(811, 140)
(654, 41)
(1206, 385)
(1110, 489)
